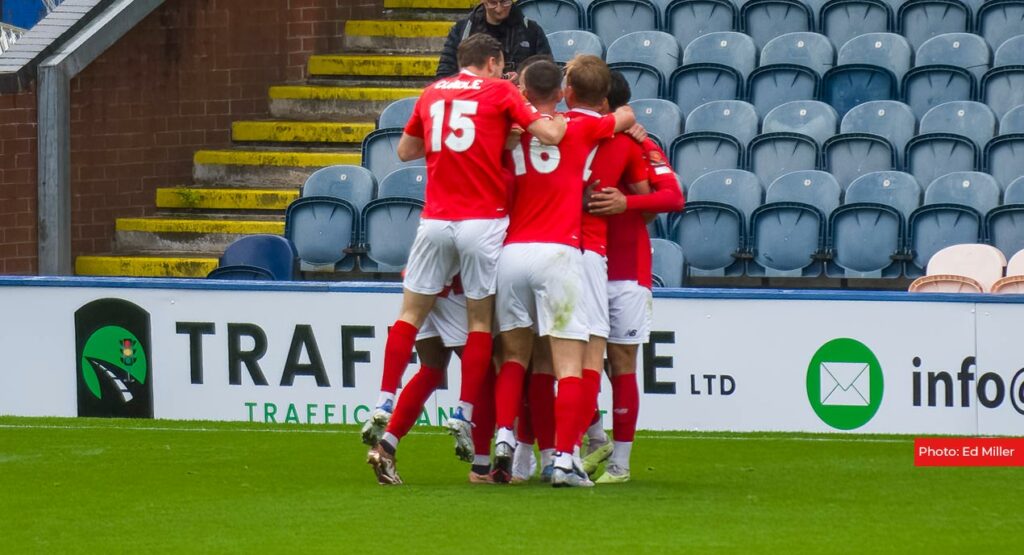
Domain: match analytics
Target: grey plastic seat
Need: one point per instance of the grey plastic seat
(556, 15)
(667, 263)
(321, 228)
(565, 45)
(731, 117)
(712, 228)
(695, 154)
(774, 154)
(965, 50)
(380, 152)
(1004, 225)
(646, 59)
(770, 86)
(889, 119)
(867, 232)
(611, 19)
(815, 119)
(1002, 88)
(973, 120)
(388, 229)
(920, 20)
(661, 118)
(952, 213)
(352, 183)
(688, 19)
(789, 229)
(1004, 158)
(397, 113)
(731, 49)
(715, 67)
(404, 183)
(1012, 122)
(999, 20)
(260, 257)
(930, 156)
(849, 156)
(841, 20)
(1010, 53)
(764, 20)
(926, 87)
(848, 86)
(805, 49)
(885, 50)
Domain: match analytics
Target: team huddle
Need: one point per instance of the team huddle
(532, 257)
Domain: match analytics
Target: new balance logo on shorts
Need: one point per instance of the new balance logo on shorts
(632, 333)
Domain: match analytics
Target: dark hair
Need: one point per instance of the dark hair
(477, 49)
(619, 93)
(543, 79)
(588, 76)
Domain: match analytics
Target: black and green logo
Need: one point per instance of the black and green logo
(115, 368)
(845, 384)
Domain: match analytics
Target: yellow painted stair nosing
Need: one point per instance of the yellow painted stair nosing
(398, 29)
(168, 225)
(373, 65)
(430, 4)
(381, 94)
(219, 198)
(300, 131)
(276, 158)
(144, 266)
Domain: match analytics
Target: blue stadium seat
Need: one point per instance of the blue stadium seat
(1010, 53)
(667, 263)
(404, 183)
(930, 156)
(661, 118)
(774, 154)
(565, 45)
(841, 20)
(815, 119)
(380, 152)
(695, 154)
(1012, 122)
(920, 20)
(964, 50)
(658, 227)
(712, 228)
(1004, 225)
(954, 205)
(973, 120)
(788, 231)
(646, 59)
(257, 257)
(886, 118)
(851, 155)
(848, 86)
(999, 20)
(715, 67)
(388, 229)
(732, 117)
(1002, 89)
(867, 233)
(770, 86)
(611, 19)
(1004, 158)
(352, 183)
(886, 50)
(926, 87)
(322, 228)
(803, 49)
(553, 15)
(764, 20)
(397, 113)
(688, 19)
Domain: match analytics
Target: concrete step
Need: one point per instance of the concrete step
(393, 35)
(327, 103)
(379, 66)
(351, 133)
(461, 5)
(216, 198)
(163, 265)
(197, 234)
(268, 168)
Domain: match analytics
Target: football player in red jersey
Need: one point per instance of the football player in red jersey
(460, 124)
(539, 270)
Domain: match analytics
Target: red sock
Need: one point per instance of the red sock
(524, 424)
(568, 404)
(397, 352)
(483, 416)
(541, 393)
(508, 393)
(476, 360)
(625, 406)
(591, 388)
(410, 402)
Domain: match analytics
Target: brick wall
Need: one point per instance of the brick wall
(171, 86)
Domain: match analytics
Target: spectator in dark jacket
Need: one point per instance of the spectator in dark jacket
(519, 36)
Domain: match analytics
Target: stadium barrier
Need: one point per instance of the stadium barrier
(725, 360)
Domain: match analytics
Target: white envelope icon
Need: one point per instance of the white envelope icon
(845, 384)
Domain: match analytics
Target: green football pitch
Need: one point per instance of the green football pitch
(83, 485)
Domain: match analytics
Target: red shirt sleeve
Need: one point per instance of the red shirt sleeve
(415, 125)
(601, 128)
(666, 195)
(516, 106)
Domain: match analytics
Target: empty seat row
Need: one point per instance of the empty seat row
(972, 268)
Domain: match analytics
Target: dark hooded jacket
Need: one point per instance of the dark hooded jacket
(520, 38)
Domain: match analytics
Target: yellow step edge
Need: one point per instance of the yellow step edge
(400, 29)
(430, 4)
(225, 199)
(271, 158)
(168, 225)
(144, 266)
(380, 94)
(300, 131)
(373, 65)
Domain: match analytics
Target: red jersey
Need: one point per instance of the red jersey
(629, 245)
(617, 162)
(464, 121)
(549, 182)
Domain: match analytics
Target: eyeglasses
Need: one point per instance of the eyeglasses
(495, 3)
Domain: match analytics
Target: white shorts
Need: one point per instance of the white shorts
(446, 320)
(630, 306)
(595, 293)
(443, 248)
(539, 287)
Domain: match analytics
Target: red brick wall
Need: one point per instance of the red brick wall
(171, 86)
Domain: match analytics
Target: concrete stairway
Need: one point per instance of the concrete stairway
(245, 189)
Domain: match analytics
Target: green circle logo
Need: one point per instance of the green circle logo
(845, 384)
(115, 352)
